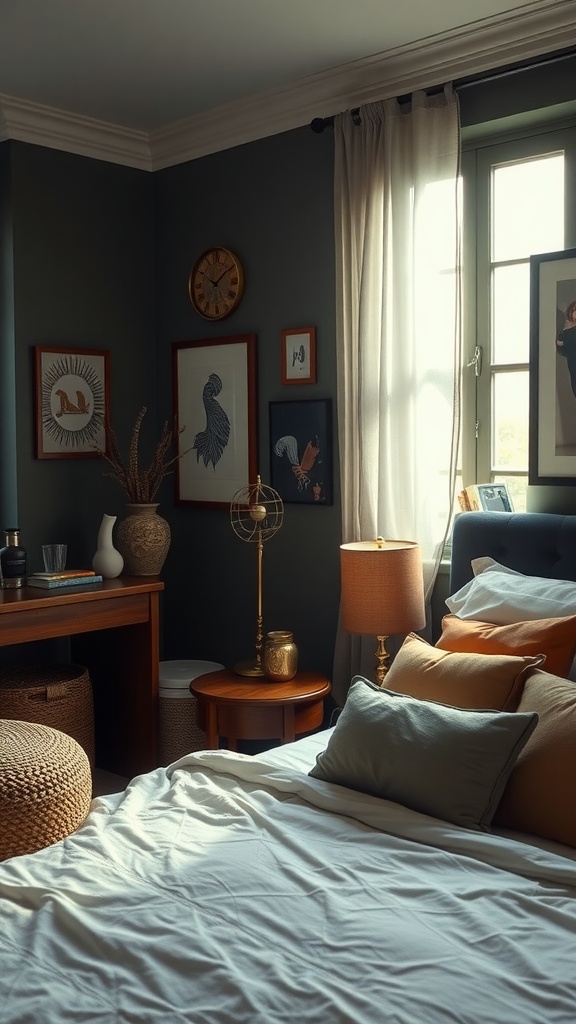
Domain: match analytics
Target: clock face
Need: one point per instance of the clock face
(216, 283)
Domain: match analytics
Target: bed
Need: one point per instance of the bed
(234, 888)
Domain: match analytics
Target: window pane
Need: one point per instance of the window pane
(510, 421)
(528, 208)
(511, 313)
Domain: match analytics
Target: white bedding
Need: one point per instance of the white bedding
(237, 890)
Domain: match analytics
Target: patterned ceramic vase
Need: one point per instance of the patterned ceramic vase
(144, 540)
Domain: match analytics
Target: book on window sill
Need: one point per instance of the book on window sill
(464, 502)
(69, 581)
(485, 498)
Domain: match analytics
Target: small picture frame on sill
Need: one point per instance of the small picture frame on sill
(299, 355)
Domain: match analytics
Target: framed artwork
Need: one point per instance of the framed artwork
(552, 419)
(72, 400)
(301, 451)
(299, 355)
(214, 386)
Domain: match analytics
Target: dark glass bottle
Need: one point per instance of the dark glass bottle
(12, 560)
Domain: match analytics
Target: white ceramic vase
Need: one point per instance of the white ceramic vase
(107, 561)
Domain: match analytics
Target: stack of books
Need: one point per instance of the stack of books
(66, 578)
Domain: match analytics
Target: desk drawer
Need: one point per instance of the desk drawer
(67, 619)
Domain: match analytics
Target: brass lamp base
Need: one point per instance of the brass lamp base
(249, 668)
(382, 657)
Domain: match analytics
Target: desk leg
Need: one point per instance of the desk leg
(124, 668)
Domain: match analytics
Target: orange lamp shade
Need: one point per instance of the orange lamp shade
(382, 589)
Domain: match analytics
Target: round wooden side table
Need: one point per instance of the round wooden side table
(245, 708)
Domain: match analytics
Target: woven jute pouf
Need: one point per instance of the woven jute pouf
(56, 695)
(45, 786)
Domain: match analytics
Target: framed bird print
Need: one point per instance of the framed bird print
(301, 451)
(214, 387)
(72, 398)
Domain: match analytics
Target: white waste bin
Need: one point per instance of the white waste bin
(179, 730)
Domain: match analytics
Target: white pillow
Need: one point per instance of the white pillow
(503, 598)
(487, 564)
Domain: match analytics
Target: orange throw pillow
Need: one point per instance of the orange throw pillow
(539, 795)
(475, 681)
(555, 638)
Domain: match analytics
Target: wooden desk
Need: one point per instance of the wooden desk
(114, 630)
(243, 708)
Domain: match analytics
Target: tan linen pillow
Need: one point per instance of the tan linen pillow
(556, 638)
(539, 795)
(463, 680)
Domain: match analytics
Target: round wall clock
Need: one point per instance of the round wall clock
(216, 283)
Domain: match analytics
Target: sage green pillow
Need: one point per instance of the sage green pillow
(450, 763)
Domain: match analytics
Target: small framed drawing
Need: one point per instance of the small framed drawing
(552, 406)
(214, 385)
(488, 498)
(301, 451)
(299, 355)
(72, 400)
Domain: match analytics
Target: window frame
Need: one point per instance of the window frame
(480, 152)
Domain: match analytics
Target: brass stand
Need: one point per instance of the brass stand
(382, 657)
(255, 668)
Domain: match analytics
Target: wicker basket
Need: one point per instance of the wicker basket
(179, 729)
(59, 696)
(179, 732)
(45, 786)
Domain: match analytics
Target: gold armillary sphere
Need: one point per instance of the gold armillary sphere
(256, 514)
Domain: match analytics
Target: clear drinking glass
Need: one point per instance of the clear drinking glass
(54, 556)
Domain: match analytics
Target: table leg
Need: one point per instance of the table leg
(288, 734)
(212, 725)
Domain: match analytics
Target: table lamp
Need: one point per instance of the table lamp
(382, 591)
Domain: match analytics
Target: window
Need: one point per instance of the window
(517, 202)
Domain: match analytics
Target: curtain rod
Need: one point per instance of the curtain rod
(319, 124)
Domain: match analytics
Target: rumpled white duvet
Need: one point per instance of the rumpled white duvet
(231, 890)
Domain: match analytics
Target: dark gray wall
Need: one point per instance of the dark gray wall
(8, 477)
(272, 203)
(83, 266)
(101, 259)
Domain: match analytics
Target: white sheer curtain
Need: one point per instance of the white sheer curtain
(397, 224)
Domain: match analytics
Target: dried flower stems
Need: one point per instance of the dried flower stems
(142, 485)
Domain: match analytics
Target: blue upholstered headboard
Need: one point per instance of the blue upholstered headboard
(535, 543)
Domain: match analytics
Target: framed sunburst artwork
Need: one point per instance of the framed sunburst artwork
(72, 398)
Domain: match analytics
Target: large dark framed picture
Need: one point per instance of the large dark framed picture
(214, 386)
(72, 399)
(301, 451)
(552, 430)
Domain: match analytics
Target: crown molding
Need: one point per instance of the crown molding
(479, 46)
(72, 133)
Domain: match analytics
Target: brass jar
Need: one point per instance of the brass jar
(280, 656)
